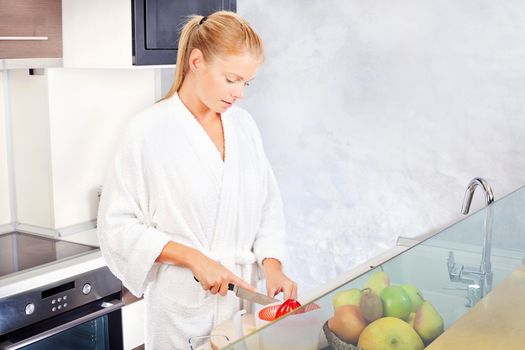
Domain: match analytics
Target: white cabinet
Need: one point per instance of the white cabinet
(101, 33)
(133, 324)
(97, 33)
(66, 124)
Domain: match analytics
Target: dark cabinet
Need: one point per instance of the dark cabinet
(157, 25)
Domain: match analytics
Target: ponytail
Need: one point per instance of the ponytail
(183, 54)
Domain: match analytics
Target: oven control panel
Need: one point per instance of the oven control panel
(59, 303)
(56, 298)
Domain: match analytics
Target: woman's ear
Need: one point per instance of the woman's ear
(196, 59)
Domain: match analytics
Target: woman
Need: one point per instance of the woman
(191, 192)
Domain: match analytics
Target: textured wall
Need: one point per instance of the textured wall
(376, 114)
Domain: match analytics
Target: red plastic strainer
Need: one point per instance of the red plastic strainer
(268, 313)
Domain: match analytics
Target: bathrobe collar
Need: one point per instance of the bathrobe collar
(225, 174)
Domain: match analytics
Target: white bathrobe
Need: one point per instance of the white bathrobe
(169, 183)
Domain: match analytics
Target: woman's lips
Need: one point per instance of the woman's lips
(229, 104)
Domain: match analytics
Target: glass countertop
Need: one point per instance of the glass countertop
(446, 269)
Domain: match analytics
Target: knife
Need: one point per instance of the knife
(247, 294)
(254, 297)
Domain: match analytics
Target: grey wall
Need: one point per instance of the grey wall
(376, 114)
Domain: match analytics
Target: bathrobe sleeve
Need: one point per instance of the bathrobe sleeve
(270, 240)
(128, 243)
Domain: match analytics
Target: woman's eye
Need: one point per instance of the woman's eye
(229, 81)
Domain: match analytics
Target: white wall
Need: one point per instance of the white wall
(5, 210)
(31, 148)
(66, 124)
(376, 114)
(88, 110)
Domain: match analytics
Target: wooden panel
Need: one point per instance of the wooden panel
(31, 18)
(496, 322)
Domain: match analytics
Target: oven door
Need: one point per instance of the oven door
(97, 325)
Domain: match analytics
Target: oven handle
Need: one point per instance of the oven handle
(107, 307)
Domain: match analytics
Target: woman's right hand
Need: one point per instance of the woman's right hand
(213, 276)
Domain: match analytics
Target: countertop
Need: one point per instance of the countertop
(496, 322)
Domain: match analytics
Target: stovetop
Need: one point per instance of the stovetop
(22, 251)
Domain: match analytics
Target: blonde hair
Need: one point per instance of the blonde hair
(222, 34)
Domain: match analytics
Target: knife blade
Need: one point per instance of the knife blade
(246, 294)
(254, 297)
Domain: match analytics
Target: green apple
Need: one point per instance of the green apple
(428, 323)
(346, 297)
(389, 333)
(396, 302)
(377, 281)
(415, 295)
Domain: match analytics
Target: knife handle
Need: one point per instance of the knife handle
(230, 285)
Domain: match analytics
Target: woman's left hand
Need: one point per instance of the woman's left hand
(277, 281)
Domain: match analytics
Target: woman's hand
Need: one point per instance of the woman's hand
(211, 275)
(277, 281)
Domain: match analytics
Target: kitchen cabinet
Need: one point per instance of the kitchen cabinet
(97, 34)
(30, 29)
(133, 324)
(124, 33)
(476, 314)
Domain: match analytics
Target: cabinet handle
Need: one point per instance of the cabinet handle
(16, 38)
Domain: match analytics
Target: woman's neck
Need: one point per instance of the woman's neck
(189, 98)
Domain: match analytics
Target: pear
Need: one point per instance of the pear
(371, 305)
(428, 323)
(415, 295)
(377, 282)
(346, 297)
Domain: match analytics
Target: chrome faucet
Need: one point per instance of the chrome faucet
(485, 266)
(479, 279)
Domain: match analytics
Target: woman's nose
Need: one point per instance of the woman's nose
(238, 92)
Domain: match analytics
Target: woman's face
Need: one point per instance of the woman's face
(221, 81)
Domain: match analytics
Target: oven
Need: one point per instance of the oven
(53, 297)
